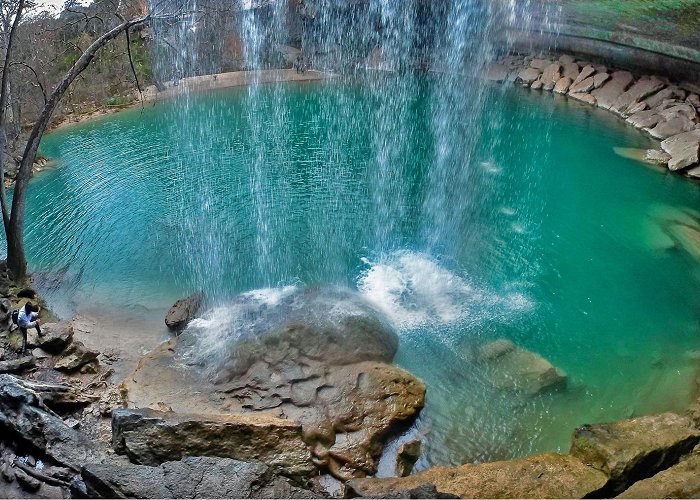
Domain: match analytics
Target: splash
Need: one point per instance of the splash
(415, 291)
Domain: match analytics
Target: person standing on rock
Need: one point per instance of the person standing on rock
(28, 317)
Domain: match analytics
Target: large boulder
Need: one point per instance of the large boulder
(630, 450)
(18, 364)
(150, 438)
(550, 475)
(513, 368)
(642, 89)
(192, 477)
(608, 94)
(680, 481)
(55, 337)
(320, 357)
(24, 417)
(684, 149)
(75, 356)
(183, 311)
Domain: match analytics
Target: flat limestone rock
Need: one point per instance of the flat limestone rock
(551, 76)
(570, 70)
(645, 119)
(614, 88)
(586, 72)
(150, 437)
(540, 64)
(680, 481)
(528, 75)
(510, 367)
(671, 92)
(629, 450)
(599, 79)
(75, 356)
(562, 85)
(583, 97)
(672, 127)
(55, 337)
(550, 475)
(637, 92)
(684, 149)
(192, 477)
(582, 86)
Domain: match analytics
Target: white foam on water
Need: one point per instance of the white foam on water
(414, 291)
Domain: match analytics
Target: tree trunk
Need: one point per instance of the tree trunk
(16, 258)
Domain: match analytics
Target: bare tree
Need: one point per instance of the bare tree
(13, 217)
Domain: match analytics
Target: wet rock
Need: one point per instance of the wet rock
(583, 97)
(599, 79)
(408, 455)
(543, 476)
(17, 365)
(511, 367)
(192, 477)
(528, 75)
(614, 88)
(496, 73)
(684, 149)
(562, 85)
(74, 357)
(318, 356)
(630, 450)
(693, 172)
(55, 338)
(582, 87)
(570, 70)
(642, 89)
(22, 415)
(183, 311)
(680, 481)
(657, 157)
(149, 437)
(551, 76)
(26, 293)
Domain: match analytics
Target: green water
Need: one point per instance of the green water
(522, 224)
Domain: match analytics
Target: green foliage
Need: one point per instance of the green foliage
(116, 100)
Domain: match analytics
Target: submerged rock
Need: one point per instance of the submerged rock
(514, 368)
(630, 450)
(149, 437)
(192, 477)
(543, 476)
(183, 311)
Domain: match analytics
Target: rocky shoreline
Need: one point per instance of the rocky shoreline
(301, 409)
(665, 110)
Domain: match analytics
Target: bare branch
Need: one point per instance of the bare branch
(38, 82)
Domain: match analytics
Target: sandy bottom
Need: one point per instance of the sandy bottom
(122, 337)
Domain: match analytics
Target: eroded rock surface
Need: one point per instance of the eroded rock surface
(183, 311)
(680, 481)
(635, 449)
(320, 357)
(543, 476)
(192, 477)
(150, 437)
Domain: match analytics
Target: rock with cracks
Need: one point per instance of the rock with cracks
(630, 450)
(150, 438)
